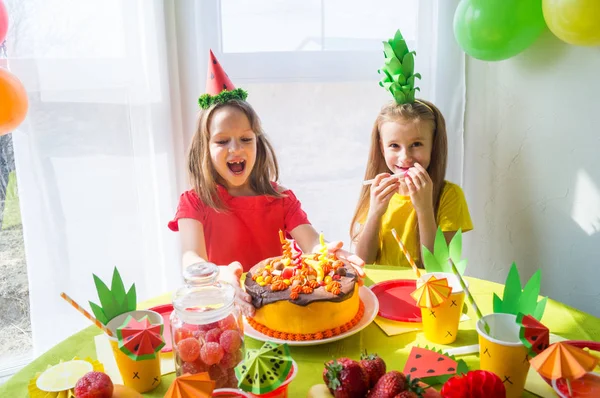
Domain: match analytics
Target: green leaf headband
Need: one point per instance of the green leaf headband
(399, 77)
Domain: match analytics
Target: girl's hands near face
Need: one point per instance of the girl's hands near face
(420, 187)
(382, 190)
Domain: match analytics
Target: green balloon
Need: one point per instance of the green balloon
(493, 30)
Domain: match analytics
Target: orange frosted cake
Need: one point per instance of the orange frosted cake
(308, 297)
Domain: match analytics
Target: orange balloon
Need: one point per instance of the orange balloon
(13, 102)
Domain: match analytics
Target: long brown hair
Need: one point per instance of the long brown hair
(202, 174)
(420, 111)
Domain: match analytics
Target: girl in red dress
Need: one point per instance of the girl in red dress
(235, 209)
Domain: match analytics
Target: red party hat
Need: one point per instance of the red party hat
(219, 88)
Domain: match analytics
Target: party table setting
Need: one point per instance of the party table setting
(444, 334)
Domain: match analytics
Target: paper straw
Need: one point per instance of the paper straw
(399, 175)
(469, 297)
(86, 314)
(406, 254)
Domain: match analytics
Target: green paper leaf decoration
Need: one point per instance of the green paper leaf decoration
(117, 288)
(408, 64)
(399, 97)
(461, 266)
(388, 51)
(399, 67)
(398, 44)
(540, 308)
(131, 299)
(98, 313)
(515, 300)
(430, 262)
(528, 299)
(107, 300)
(393, 66)
(113, 301)
(440, 248)
(455, 248)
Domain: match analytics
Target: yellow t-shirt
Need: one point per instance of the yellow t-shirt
(453, 214)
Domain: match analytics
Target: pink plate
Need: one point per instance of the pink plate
(165, 310)
(395, 302)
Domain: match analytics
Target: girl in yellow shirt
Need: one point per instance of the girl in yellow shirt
(407, 161)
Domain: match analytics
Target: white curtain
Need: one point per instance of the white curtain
(96, 156)
(114, 88)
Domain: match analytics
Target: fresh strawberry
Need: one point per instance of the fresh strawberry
(374, 366)
(407, 394)
(346, 378)
(394, 383)
(475, 384)
(94, 385)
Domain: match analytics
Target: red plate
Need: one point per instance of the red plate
(165, 310)
(395, 302)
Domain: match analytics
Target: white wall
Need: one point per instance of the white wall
(532, 169)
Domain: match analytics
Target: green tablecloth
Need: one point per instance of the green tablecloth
(561, 319)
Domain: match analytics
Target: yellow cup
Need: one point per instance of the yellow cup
(440, 324)
(143, 375)
(502, 352)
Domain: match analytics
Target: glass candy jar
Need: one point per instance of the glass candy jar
(206, 326)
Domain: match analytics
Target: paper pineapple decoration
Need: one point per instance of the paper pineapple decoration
(516, 300)
(438, 260)
(114, 301)
(398, 71)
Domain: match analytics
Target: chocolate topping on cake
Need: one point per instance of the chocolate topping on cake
(263, 295)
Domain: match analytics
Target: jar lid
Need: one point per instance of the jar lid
(203, 299)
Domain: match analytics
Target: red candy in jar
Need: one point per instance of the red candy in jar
(206, 326)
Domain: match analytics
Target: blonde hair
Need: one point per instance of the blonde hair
(419, 111)
(202, 174)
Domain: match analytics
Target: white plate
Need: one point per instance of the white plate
(371, 308)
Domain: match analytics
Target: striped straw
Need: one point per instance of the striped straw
(406, 254)
(469, 296)
(86, 314)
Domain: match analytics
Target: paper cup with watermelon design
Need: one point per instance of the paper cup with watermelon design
(142, 374)
(440, 324)
(502, 352)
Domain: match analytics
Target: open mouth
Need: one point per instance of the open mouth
(237, 167)
(402, 170)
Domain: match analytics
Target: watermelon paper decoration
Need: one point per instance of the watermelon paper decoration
(432, 366)
(438, 260)
(140, 340)
(534, 335)
(265, 369)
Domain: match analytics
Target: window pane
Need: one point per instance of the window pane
(314, 25)
(267, 25)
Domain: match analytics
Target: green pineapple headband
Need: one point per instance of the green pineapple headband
(399, 77)
(219, 88)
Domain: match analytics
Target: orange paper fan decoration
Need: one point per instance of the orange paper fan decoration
(191, 386)
(562, 360)
(432, 293)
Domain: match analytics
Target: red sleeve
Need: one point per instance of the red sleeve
(294, 215)
(189, 206)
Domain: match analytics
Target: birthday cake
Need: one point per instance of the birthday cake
(303, 297)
